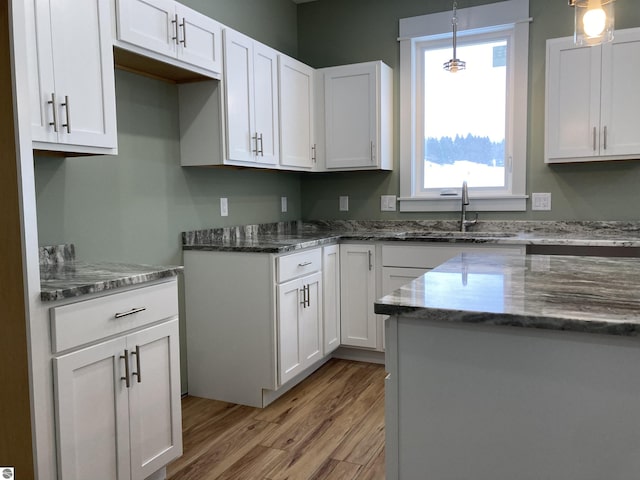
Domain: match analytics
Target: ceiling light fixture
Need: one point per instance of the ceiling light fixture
(454, 64)
(594, 21)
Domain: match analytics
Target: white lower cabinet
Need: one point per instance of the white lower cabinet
(331, 292)
(359, 323)
(299, 325)
(259, 330)
(118, 412)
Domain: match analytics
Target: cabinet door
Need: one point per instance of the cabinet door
(82, 109)
(199, 38)
(357, 280)
(41, 75)
(238, 68)
(265, 73)
(350, 116)
(331, 292)
(290, 357)
(149, 24)
(296, 114)
(620, 122)
(573, 100)
(154, 399)
(92, 413)
(311, 320)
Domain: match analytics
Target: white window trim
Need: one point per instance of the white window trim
(414, 30)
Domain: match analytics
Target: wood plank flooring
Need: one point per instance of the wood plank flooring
(330, 426)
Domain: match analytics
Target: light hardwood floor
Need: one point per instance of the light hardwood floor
(330, 426)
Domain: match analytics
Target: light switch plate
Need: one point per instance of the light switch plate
(540, 201)
(283, 204)
(387, 203)
(224, 207)
(344, 203)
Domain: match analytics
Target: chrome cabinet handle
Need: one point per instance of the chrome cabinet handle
(138, 373)
(52, 102)
(372, 153)
(125, 357)
(261, 146)
(304, 264)
(605, 137)
(66, 107)
(594, 139)
(255, 137)
(370, 260)
(313, 153)
(184, 32)
(308, 295)
(130, 312)
(175, 28)
(304, 297)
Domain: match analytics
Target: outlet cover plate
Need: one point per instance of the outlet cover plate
(224, 207)
(344, 203)
(540, 201)
(387, 203)
(283, 204)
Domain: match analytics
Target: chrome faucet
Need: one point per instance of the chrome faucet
(464, 223)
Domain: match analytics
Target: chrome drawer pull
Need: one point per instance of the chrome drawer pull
(304, 264)
(130, 312)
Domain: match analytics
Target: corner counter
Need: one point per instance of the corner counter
(506, 366)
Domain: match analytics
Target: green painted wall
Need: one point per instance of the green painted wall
(334, 32)
(132, 207)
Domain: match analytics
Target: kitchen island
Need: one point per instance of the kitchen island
(515, 367)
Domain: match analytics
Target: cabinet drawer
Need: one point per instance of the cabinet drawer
(298, 264)
(430, 256)
(86, 321)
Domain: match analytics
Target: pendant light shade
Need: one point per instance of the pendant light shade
(454, 64)
(594, 21)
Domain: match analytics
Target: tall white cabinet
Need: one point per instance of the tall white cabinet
(71, 76)
(331, 292)
(358, 116)
(591, 102)
(118, 409)
(251, 100)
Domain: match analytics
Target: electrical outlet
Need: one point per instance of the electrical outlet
(283, 204)
(344, 203)
(540, 201)
(387, 203)
(224, 207)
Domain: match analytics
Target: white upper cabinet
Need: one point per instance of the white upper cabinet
(358, 121)
(297, 139)
(591, 102)
(251, 100)
(71, 76)
(233, 122)
(168, 31)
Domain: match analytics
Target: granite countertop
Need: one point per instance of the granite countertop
(62, 276)
(290, 236)
(584, 294)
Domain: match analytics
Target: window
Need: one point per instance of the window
(470, 125)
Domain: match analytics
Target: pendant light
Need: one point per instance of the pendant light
(454, 64)
(594, 21)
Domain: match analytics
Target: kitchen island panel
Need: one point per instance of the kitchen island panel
(504, 403)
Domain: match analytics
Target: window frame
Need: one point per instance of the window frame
(507, 17)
